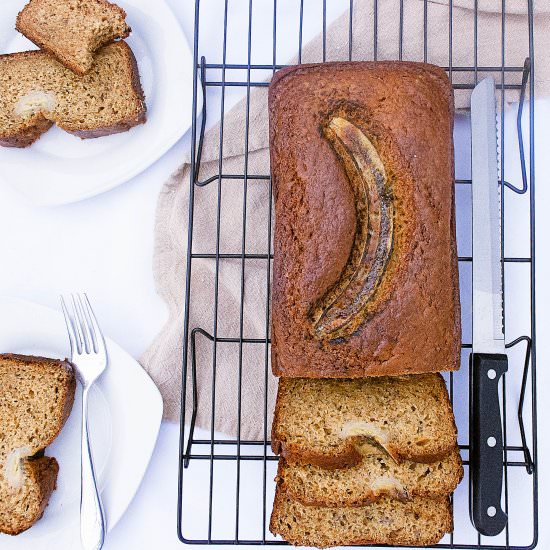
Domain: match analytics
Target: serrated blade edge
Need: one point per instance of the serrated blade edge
(487, 325)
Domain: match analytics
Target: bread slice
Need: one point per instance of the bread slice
(374, 477)
(332, 423)
(72, 30)
(36, 397)
(418, 522)
(36, 92)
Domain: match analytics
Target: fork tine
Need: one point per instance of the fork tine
(99, 339)
(70, 327)
(81, 325)
(87, 328)
(90, 329)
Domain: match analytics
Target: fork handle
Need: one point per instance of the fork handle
(92, 519)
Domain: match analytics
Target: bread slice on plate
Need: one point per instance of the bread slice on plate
(418, 522)
(36, 397)
(72, 30)
(376, 476)
(332, 423)
(36, 92)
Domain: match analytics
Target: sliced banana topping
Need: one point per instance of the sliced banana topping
(35, 102)
(355, 428)
(13, 466)
(340, 312)
(391, 486)
(374, 434)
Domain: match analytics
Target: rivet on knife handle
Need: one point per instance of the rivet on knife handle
(486, 444)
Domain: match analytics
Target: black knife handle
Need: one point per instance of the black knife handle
(486, 447)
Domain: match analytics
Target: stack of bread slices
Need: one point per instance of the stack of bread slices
(81, 79)
(364, 461)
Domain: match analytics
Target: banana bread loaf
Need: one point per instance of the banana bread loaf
(365, 278)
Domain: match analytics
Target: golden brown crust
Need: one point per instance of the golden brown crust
(27, 136)
(413, 322)
(36, 360)
(69, 402)
(345, 456)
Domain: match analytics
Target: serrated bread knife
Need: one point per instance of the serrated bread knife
(488, 360)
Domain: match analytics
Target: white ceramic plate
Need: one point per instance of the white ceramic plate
(125, 416)
(60, 168)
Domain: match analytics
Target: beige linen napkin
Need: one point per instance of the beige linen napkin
(163, 359)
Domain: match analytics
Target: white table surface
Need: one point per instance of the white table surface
(104, 246)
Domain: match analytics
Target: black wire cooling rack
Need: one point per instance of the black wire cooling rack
(226, 483)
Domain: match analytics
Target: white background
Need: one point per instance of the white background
(104, 246)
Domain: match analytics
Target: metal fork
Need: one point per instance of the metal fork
(89, 357)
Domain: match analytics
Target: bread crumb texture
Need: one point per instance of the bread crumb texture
(36, 91)
(405, 417)
(36, 397)
(73, 30)
(376, 476)
(418, 522)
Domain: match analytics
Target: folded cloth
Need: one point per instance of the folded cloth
(243, 369)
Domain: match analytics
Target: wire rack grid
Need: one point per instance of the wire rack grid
(208, 460)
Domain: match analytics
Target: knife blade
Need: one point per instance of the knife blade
(488, 360)
(488, 334)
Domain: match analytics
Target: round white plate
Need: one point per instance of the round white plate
(60, 168)
(125, 416)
